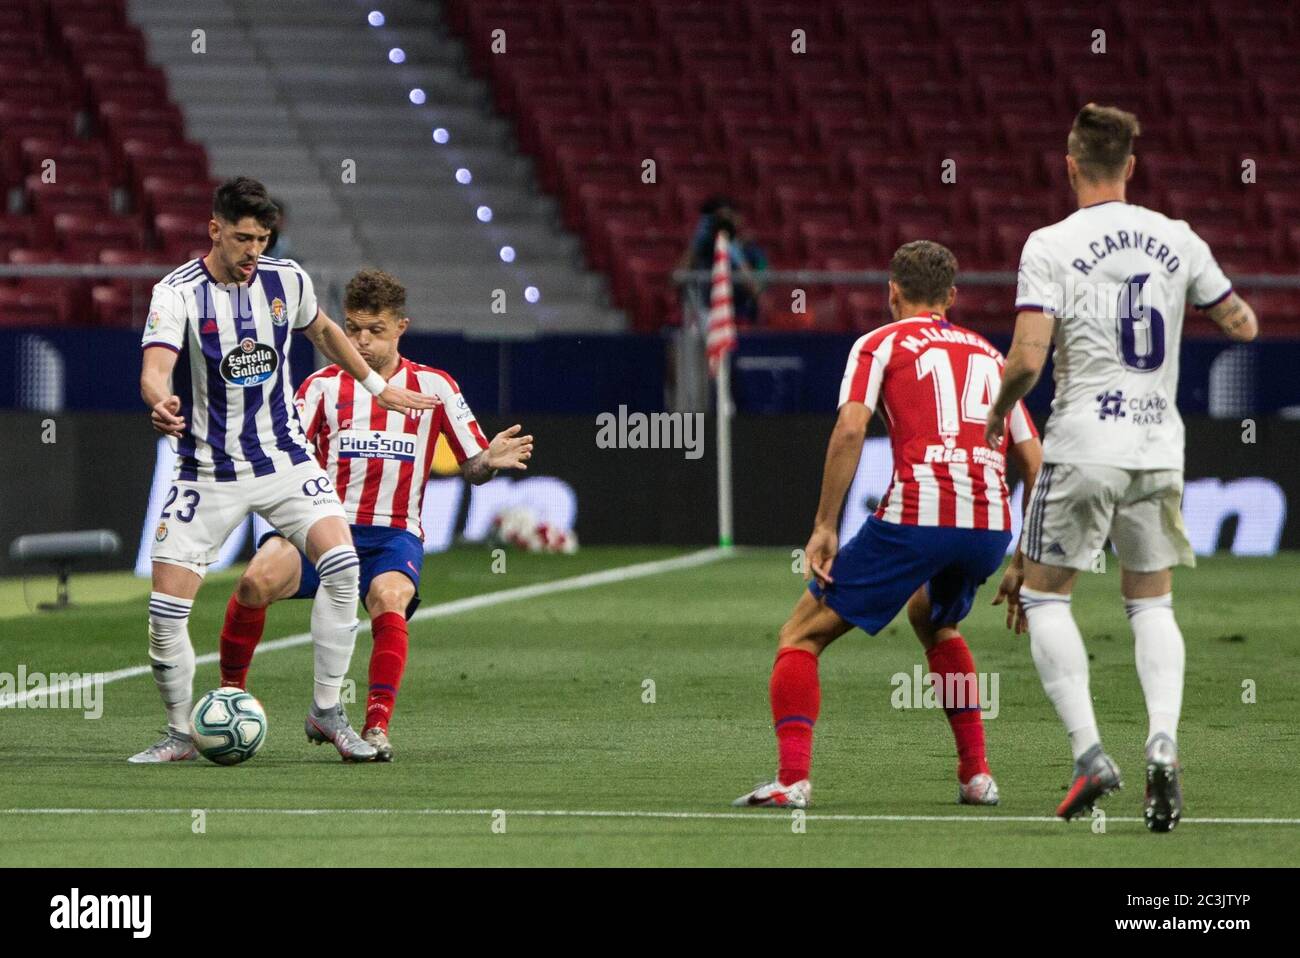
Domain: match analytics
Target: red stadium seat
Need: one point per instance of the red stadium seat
(50, 199)
(82, 237)
(22, 308)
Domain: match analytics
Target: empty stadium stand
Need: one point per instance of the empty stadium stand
(835, 150)
(94, 162)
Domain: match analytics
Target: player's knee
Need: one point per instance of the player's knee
(918, 615)
(800, 635)
(255, 589)
(388, 598)
(340, 571)
(169, 618)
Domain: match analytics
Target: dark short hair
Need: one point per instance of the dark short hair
(717, 201)
(373, 291)
(1101, 141)
(924, 271)
(244, 196)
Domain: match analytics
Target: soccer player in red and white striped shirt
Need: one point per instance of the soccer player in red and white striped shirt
(377, 462)
(941, 530)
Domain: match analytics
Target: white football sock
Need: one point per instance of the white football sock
(1161, 656)
(1062, 662)
(172, 655)
(334, 622)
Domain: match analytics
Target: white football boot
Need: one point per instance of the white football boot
(332, 726)
(378, 738)
(172, 747)
(980, 790)
(776, 795)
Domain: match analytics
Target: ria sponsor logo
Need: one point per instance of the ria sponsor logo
(76, 911)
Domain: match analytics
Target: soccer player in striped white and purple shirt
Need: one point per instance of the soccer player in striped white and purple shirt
(223, 325)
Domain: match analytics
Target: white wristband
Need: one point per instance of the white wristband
(374, 383)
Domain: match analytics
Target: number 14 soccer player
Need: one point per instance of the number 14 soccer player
(941, 530)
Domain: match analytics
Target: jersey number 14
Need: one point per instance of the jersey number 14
(981, 385)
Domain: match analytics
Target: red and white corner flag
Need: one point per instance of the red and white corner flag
(721, 337)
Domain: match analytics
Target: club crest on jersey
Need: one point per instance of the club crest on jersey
(250, 363)
(279, 312)
(161, 534)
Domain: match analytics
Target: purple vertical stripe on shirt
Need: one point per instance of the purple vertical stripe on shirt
(223, 465)
(241, 306)
(284, 439)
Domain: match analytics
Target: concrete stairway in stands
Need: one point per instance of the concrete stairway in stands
(289, 91)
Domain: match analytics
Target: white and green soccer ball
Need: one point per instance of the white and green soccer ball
(228, 726)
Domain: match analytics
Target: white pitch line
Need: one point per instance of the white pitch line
(753, 815)
(471, 603)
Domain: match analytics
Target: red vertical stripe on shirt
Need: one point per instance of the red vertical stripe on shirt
(378, 420)
(406, 470)
(347, 390)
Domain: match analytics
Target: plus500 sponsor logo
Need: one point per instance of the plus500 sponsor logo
(353, 444)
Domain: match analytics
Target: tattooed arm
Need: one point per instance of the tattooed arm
(1235, 317)
(1029, 348)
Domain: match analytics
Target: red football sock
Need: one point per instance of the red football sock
(387, 662)
(796, 700)
(952, 657)
(240, 634)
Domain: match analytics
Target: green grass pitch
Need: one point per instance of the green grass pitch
(537, 706)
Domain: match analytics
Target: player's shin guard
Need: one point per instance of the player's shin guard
(1158, 647)
(240, 633)
(172, 656)
(387, 662)
(796, 699)
(958, 688)
(1062, 664)
(334, 622)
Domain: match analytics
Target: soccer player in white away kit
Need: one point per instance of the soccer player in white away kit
(1107, 287)
(378, 463)
(240, 449)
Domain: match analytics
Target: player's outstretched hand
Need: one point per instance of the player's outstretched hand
(403, 400)
(509, 450)
(819, 553)
(995, 430)
(1009, 592)
(166, 417)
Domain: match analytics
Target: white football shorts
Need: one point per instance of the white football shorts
(1074, 509)
(199, 515)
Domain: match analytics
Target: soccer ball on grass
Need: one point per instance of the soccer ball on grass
(228, 726)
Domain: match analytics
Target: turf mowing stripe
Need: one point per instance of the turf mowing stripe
(754, 815)
(587, 580)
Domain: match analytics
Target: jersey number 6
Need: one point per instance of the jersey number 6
(1141, 327)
